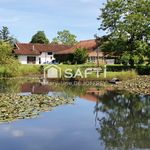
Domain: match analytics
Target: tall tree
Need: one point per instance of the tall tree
(128, 24)
(5, 35)
(65, 37)
(40, 37)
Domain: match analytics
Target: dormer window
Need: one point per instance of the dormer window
(50, 53)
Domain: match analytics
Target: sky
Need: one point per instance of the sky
(25, 18)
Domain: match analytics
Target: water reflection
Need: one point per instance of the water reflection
(27, 99)
(123, 121)
(122, 118)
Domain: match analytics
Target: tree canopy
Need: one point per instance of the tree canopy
(40, 37)
(127, 23)
(80, 55)
(65, 37)
(5, 35)
(7, 59)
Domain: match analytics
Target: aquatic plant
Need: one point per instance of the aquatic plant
(14, 106)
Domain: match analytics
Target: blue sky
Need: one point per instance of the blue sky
(25, 18)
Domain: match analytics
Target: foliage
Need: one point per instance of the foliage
(65, 37)
(117, 68)
(67, 59)
(80, 55)
(29, 70)
(40, 37)
(127, 24)
(5, 36)
(140, 69)
(143, 70)
(7, 60)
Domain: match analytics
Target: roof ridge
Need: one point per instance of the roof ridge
(44, 44)
(87, 40)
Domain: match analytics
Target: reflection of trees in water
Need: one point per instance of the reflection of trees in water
(71, 90)
(126, 121)
(9, 85)
(13, 85)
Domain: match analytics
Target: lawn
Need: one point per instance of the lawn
(37, 70)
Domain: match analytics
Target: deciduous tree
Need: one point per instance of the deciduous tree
(127, 23)
(40, 37)
(65, 37)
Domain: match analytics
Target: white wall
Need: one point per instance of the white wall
(37, 59)
(22, 59)
(110, 61)
(46, 58)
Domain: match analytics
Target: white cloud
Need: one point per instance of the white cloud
(14, 132)
(17, 133)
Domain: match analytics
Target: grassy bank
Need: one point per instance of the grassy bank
(37, 70)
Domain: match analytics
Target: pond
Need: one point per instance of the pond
(34, 116)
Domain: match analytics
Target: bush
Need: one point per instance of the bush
(143, 70)
(80, 55)
(117, 68)
(140, 69)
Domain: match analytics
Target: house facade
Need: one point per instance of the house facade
(92, 49)
(29, 53)
(37, 53)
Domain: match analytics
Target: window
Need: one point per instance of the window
(31, 60)
(50, 53)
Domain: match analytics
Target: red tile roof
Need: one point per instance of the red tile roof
(36, 49)
(88, 44)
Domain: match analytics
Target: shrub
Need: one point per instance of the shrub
(115, 68)
(143, 70)
(80, 55)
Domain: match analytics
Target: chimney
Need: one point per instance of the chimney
(33, 47)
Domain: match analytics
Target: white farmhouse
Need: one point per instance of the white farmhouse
(28, 53)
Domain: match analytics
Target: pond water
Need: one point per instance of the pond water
(64, 117)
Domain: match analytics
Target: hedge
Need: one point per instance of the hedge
(141, 70)
(117, 68)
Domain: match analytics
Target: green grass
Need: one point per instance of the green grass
(123, 75)
(34, 70)
(28, 70)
